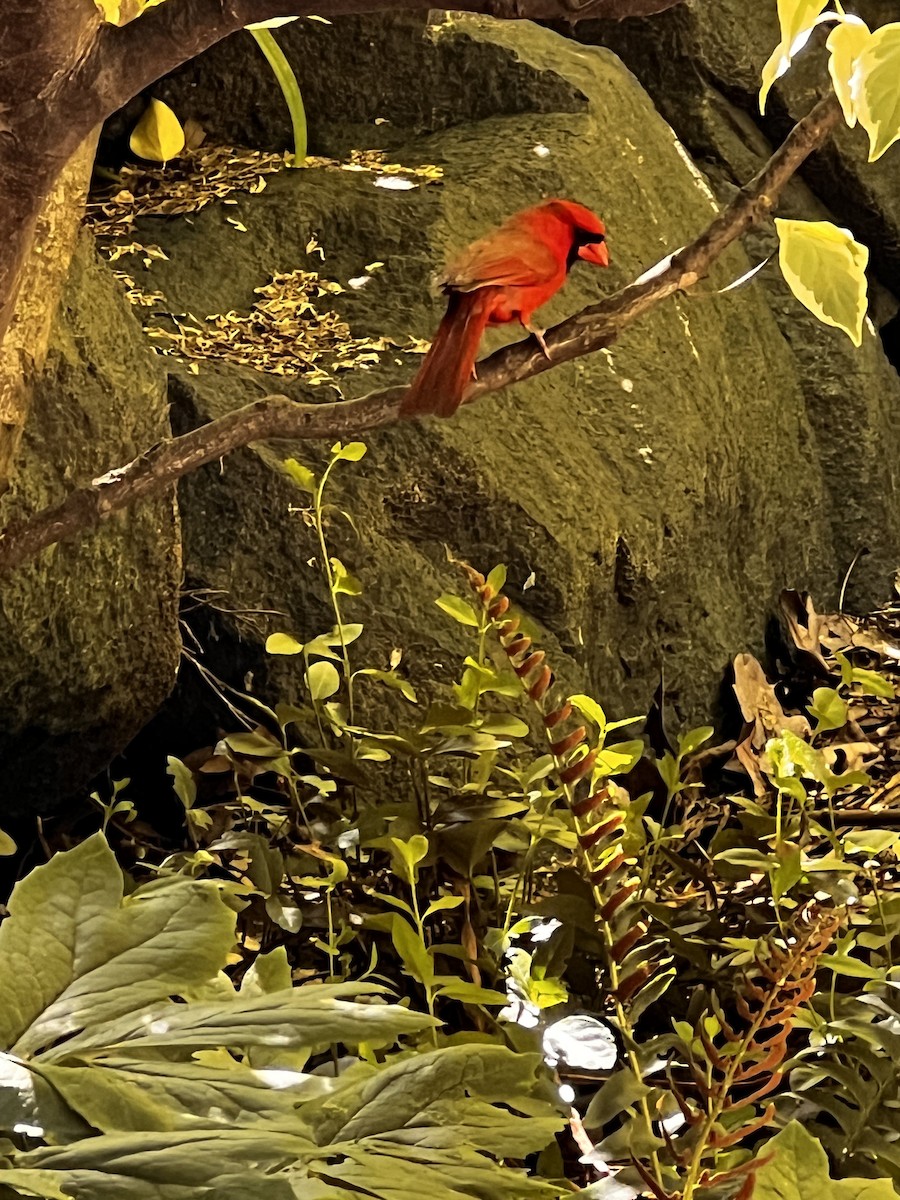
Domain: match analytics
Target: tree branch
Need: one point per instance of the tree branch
(277, 417)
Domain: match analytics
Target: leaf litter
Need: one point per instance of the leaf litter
(289, 331)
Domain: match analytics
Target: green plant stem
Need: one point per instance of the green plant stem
(420, 927)
(290, 89)
(336, 608)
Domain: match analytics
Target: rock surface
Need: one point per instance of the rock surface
(661, 494)
(88, 633)
(701, 64)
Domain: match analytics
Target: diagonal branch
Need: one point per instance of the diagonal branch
(277, 417)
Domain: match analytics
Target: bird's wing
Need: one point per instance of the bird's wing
(509, 258)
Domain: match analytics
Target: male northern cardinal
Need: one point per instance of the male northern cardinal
(500, 278)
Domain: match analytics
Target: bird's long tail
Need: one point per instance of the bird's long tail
(446, 372)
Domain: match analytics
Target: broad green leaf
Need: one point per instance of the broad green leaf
(876, 89)
(27, 1182)
(7, 845)
(845, 43)
(691, 741)
(74, 952)
(618, 759)
(283, 643)
(797, 19)
(459, 610)
(504, 725)
(588, 707)
(472, 993)
(344, 584)
(183, 782)
(352, 452)
(443, 1099)
(118, 1094)
(497, 578)
(620, 1092)
(409, 946)
(409, 854)
(158, 135)
(175, 1165)
(795, 1167)
(392, 680)
(302, 476)
(825, 268)
(829, 709)
(270, 972)
(308, 1018)
(324, 680)
(255, 744)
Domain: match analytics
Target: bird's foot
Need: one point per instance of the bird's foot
(538, 335)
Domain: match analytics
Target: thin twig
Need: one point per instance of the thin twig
(277, 417)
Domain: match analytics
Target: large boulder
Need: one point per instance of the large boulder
(660, 494)
(89, 632)
(702, 64)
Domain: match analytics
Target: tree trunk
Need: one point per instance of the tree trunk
(44, 249)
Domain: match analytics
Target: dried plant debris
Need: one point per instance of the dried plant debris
(287, 332)
(211, 173)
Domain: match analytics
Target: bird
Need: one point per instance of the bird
(502, 277)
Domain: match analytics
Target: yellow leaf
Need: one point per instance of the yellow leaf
(158, 135)
(876, 89)
(797, 19)
(845, 43)
(825, 268)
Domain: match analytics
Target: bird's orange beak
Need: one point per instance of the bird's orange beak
(596, 253)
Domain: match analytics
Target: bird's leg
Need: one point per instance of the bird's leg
(538, 335)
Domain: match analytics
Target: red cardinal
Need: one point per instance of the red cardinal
(501, 278)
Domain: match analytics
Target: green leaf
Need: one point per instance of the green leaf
(829, 709)
(309, 1018)
(619, 1093)
(825, 268)
(459, 610)
(472, 993)
(183, 782)
(845, 43)
(7, 845)
(392, 680)
(27, 1182)
(74, 952)
(352, 452)
(796, 18)
(158, 135)
(497, 578)
(504, 725)
(410, 853)
(324, 680)
(300, 475)
(876, 82)
(270, 972)
(618, 759)
(691, 741)
(255, 744)
(442, 904)
(344, 584)
(787, 871)
(588, 707)
(412, 950)
(795, 1167)
(283, 643)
